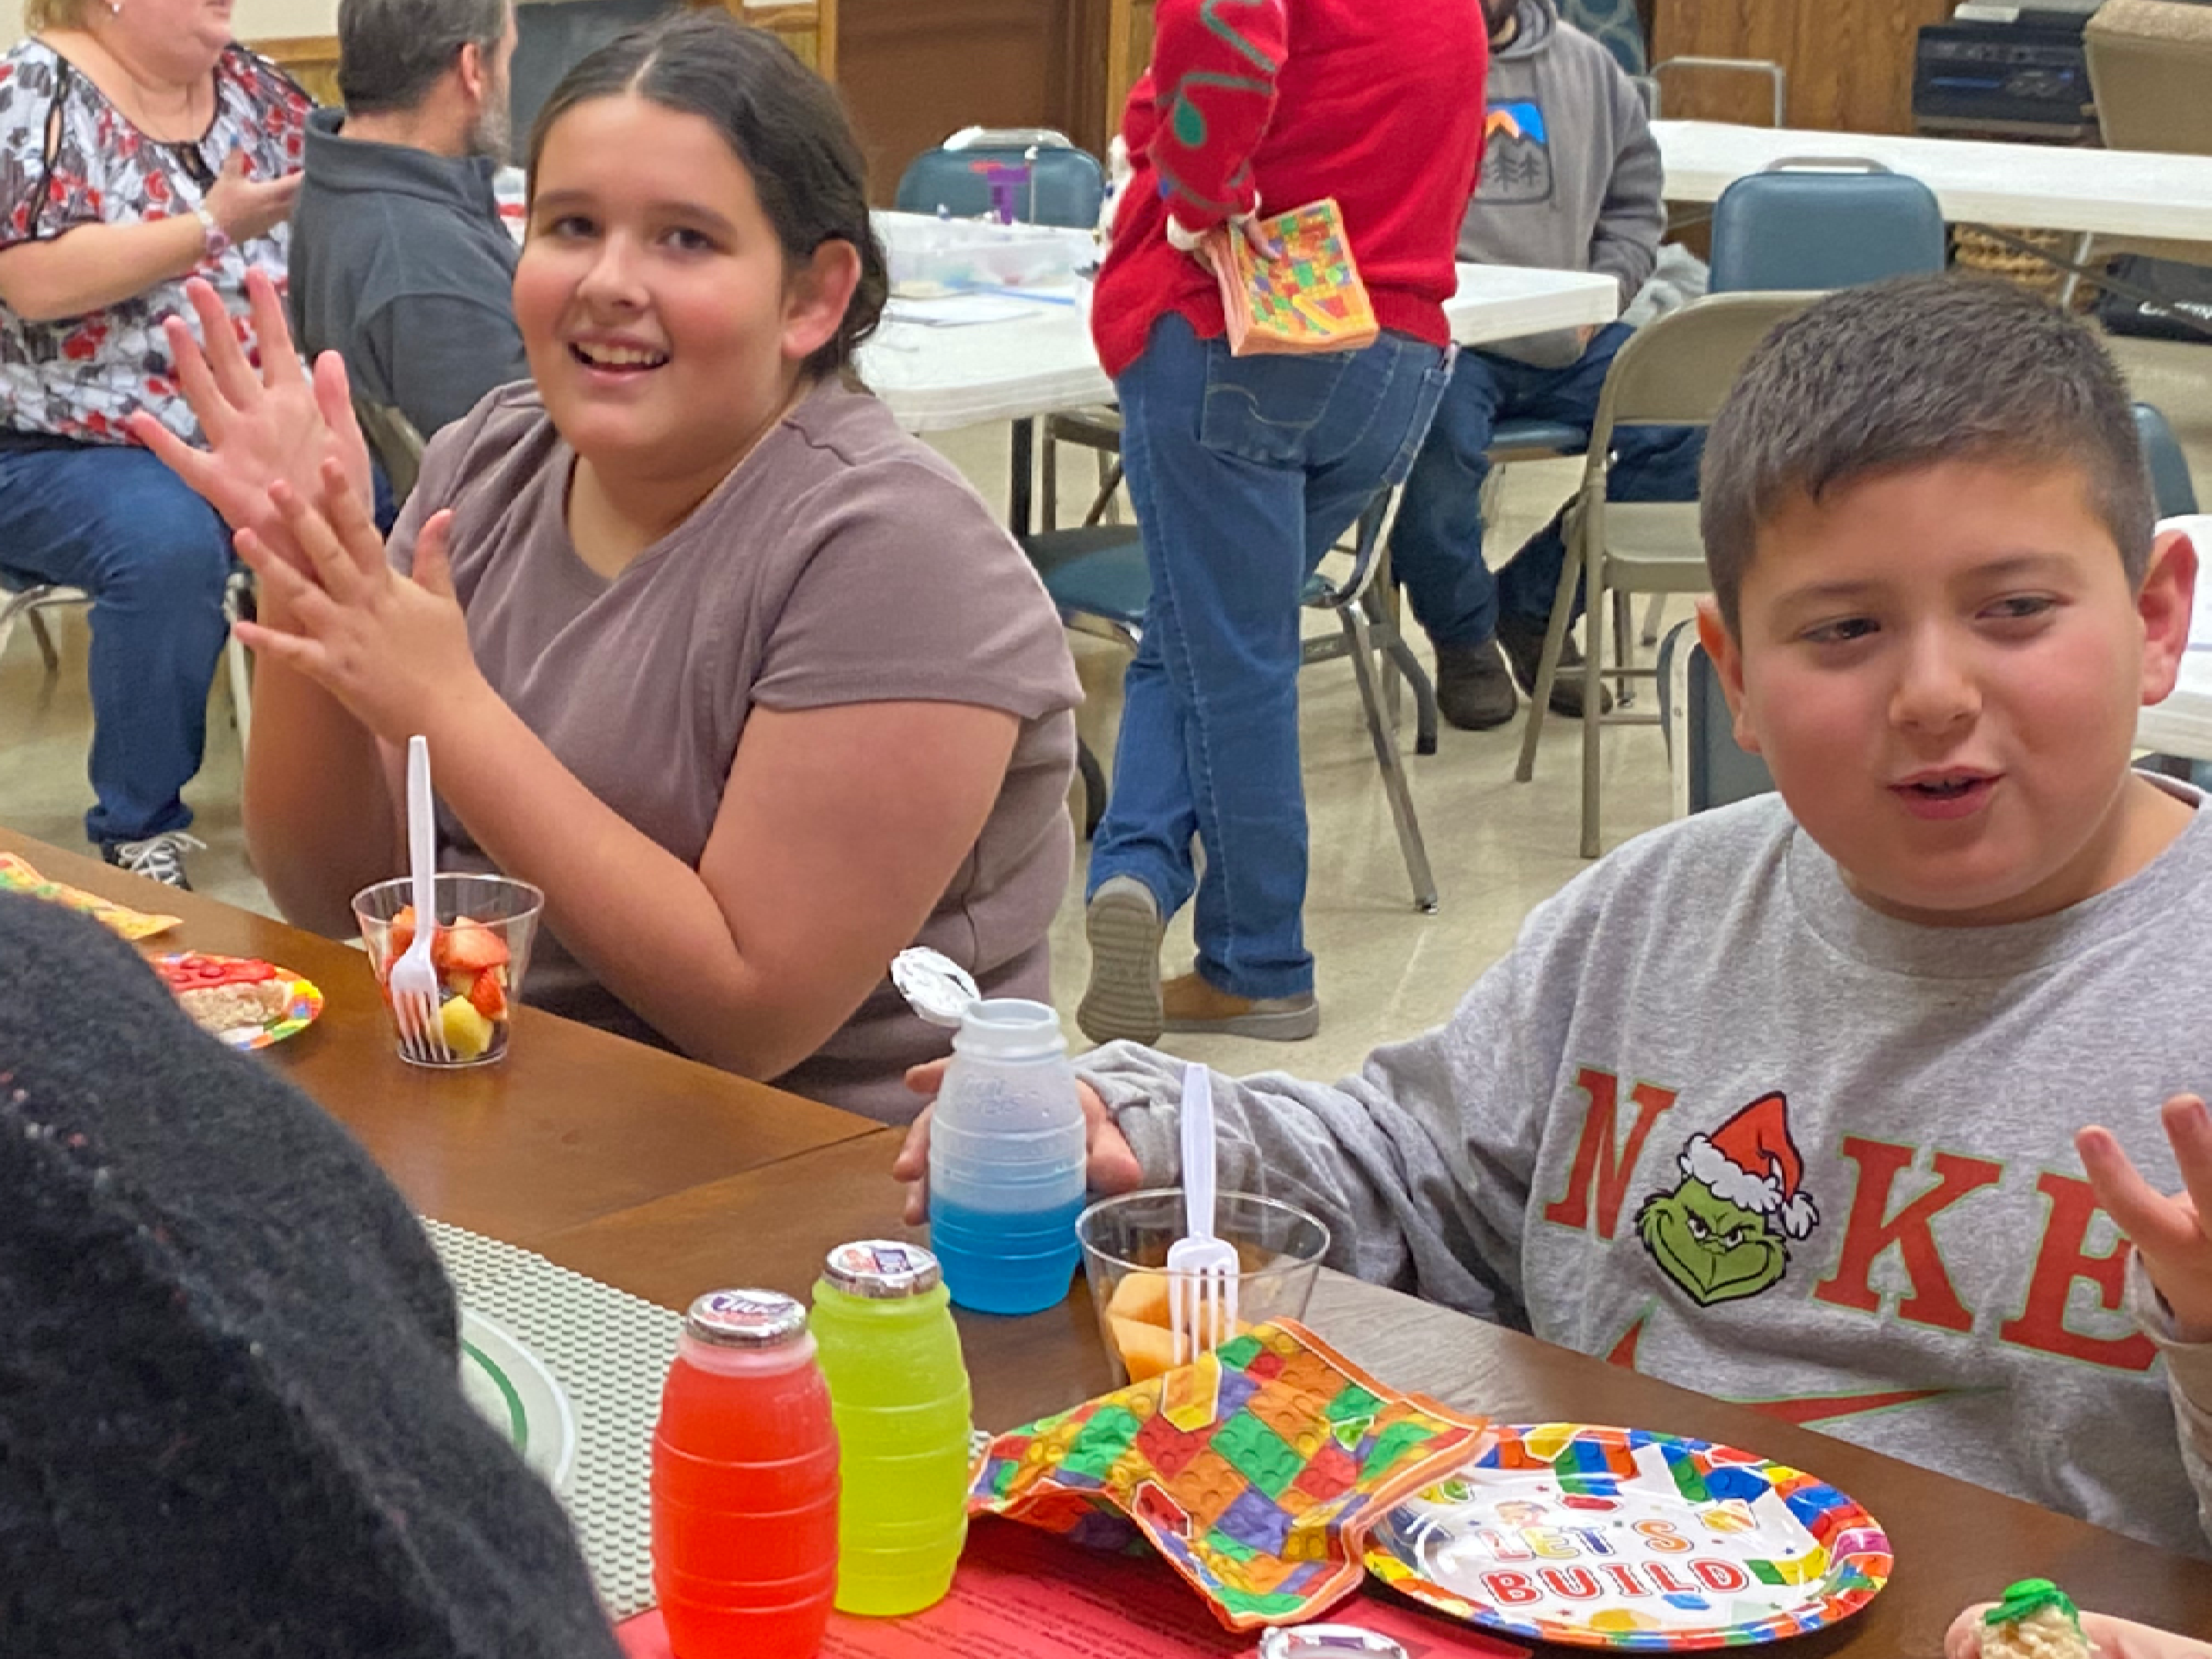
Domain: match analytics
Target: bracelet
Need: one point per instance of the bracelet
(214, 240)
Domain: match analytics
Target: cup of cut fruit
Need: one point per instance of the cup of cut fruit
(484, 927)
(1125, 1251)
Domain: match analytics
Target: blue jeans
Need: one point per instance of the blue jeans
(113, 521)
(1243, 472)
(1436, 542)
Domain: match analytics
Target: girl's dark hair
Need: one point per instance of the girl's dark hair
(780, 119)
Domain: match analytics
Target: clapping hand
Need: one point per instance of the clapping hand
(262, 426)
(2170, 1234)
(393, 650)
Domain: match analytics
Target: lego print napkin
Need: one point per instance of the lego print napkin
(1256, 1472)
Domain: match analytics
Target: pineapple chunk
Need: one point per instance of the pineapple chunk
(467, 1033)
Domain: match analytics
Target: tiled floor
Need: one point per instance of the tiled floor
(1385, 970)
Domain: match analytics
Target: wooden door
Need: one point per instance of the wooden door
(1849, 62)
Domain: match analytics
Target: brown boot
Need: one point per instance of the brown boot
(1523, 639)
(1474, 691)
(1191, 1004)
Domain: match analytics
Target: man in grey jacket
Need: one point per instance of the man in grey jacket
(1570, 180)
(400, 261)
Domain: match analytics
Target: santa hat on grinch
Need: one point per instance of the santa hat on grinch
(1752, 1163)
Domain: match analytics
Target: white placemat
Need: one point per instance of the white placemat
(610, 1351)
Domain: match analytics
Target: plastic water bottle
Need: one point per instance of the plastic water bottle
(899, 1393)
(745, 1483)
(1006, 1161)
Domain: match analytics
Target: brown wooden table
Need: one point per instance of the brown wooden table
(665, 1179)
(573, 1123)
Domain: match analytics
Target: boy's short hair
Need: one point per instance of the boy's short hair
(1908, 373)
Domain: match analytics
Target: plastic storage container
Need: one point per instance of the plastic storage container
(745, 1483)
(899, 1393)
(928, 255)
(1006, 1161)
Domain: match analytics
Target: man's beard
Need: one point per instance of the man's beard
(494, 129)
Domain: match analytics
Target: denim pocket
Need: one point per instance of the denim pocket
(1265, 409)
(1432, 393)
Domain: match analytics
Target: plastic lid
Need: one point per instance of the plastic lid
(745, 1319)
(883, 1269)
(934, 985)
(1315, 1641)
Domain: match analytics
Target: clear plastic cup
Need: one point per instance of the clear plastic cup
(1125, 1250)
(486, 924)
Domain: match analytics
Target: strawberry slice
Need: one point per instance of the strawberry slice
(488, 996)
(403, 931)
(471, 947)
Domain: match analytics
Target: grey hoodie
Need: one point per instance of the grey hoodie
(1571, 173)
(1715, 1118)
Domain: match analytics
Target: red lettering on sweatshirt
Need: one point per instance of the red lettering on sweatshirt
(1871, 1230)
(2058, 1263)
(1597, 1164)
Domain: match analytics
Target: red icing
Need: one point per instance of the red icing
(192, 971)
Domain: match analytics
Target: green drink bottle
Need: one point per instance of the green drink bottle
(898, 1392)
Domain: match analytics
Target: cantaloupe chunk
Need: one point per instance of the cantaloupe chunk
(1146, 1350)
(1142, 1296)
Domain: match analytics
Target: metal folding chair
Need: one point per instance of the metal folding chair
(1675, 372)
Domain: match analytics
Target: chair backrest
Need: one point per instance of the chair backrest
(1066, 185)
(1808, 225)
(2149, 62)
(1708, 769)
(394, 441)
(1677, 368)
(2171, 486)
(1616, 25)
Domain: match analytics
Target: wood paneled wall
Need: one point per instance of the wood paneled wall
(310, 60)
(913, 71)
(1849, 62)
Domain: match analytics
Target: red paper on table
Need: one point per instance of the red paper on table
(1022, 1593)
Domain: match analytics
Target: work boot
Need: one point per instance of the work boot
(1193, 1004)
(1523, 637)
(1474, 691)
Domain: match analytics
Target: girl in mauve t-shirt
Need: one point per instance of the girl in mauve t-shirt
(745, 679)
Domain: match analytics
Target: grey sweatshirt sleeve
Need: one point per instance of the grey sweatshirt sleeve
(1420, 1165)
(439, 353)
(2188, 1379)
(1625, 244)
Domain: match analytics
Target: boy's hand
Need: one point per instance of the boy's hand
(2115, 1638)
(2169, 1232)
(1112, 1169)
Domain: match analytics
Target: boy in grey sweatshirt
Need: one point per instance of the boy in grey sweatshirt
(1777, 1103)
(1571, 181)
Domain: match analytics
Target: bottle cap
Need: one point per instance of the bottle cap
(745, 1319)
(1322, 1641)
(883, 1269)
(934, 985)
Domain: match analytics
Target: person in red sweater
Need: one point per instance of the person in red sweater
(1244, 470)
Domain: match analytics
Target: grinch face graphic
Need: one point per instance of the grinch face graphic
(1724, 1232)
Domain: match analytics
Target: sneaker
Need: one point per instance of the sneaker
(1474, 690)
(1194, 1004)
(1122, 922)
(1523, 637)
(158, 858)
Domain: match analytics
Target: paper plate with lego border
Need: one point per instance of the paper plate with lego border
(296, 1006)
(1622, 1538)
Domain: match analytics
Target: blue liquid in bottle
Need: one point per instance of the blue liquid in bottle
(1007, 1261)
(1007, 1156)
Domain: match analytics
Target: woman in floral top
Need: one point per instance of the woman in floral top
(138, 146)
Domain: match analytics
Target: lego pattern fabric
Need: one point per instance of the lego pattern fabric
(1257, 1471)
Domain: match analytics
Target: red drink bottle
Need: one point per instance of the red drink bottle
(744, 1483)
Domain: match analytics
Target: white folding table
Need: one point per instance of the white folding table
(936, 378)
(2133, 194)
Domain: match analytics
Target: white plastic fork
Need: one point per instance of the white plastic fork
(414, 981)
(1201, 1269)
